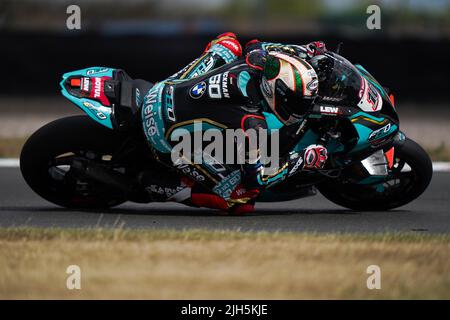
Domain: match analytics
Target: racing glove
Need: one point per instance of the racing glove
(315, 48)
(315, 157)
(229, 41)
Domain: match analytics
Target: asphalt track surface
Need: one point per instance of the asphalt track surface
(19, 206)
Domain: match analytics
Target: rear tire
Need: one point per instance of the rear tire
(366, 198)
(71, 135)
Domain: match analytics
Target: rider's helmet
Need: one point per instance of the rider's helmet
(289, 86)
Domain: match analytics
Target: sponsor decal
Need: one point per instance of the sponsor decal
(166, 191)
(223, 52)
(169, 105)
(203, 67)
(380, 132)
(138, 97)
(198, 90)
(214, 91)
(231, 45)
(313, 85)
(226, 186)
(97, 87)
(370, 99)
(152, 118)
(296, 166)
(266, 87)
(189, 170)
(96, 70)
(311, 73)
(94, 110)
(85, 84)
(331, 99)
(149, 114)
(208, 64)
(329, 110)
(88, 105)
(226, 94)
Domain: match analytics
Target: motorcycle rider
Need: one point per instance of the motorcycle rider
(231, 88)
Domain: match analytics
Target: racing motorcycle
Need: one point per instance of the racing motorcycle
(93, 160)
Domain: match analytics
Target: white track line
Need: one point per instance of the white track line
(441, 166)
(14, 163)
(9, 163)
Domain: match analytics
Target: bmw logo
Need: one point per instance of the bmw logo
(198, 90)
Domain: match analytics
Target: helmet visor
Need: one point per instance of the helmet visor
(289, 103)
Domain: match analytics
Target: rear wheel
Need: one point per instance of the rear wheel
(407, 180)
(47, 156)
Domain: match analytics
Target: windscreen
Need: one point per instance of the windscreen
(343, 81)
(343, 84)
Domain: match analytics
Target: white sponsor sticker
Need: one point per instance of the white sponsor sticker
(371, 100)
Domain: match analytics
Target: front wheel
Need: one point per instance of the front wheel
(46, 159)
(407, 179)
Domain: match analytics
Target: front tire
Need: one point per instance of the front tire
(46, 157)
(400, 188)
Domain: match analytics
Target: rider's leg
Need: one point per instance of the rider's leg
(165, 185)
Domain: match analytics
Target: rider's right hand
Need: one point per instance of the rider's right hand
(315, 157)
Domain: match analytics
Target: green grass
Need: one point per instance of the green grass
(125, 234)
(201, 264)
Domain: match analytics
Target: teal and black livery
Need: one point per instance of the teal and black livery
(153, 118)
(72, 88)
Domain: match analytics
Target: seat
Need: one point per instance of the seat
(128, 94)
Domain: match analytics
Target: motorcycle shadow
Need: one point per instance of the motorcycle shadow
(202, 212)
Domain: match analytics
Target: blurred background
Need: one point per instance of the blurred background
(152, 39)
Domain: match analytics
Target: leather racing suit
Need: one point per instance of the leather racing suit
(220, 89)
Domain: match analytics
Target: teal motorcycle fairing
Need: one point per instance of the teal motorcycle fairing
(73, 91)
(103, 113)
